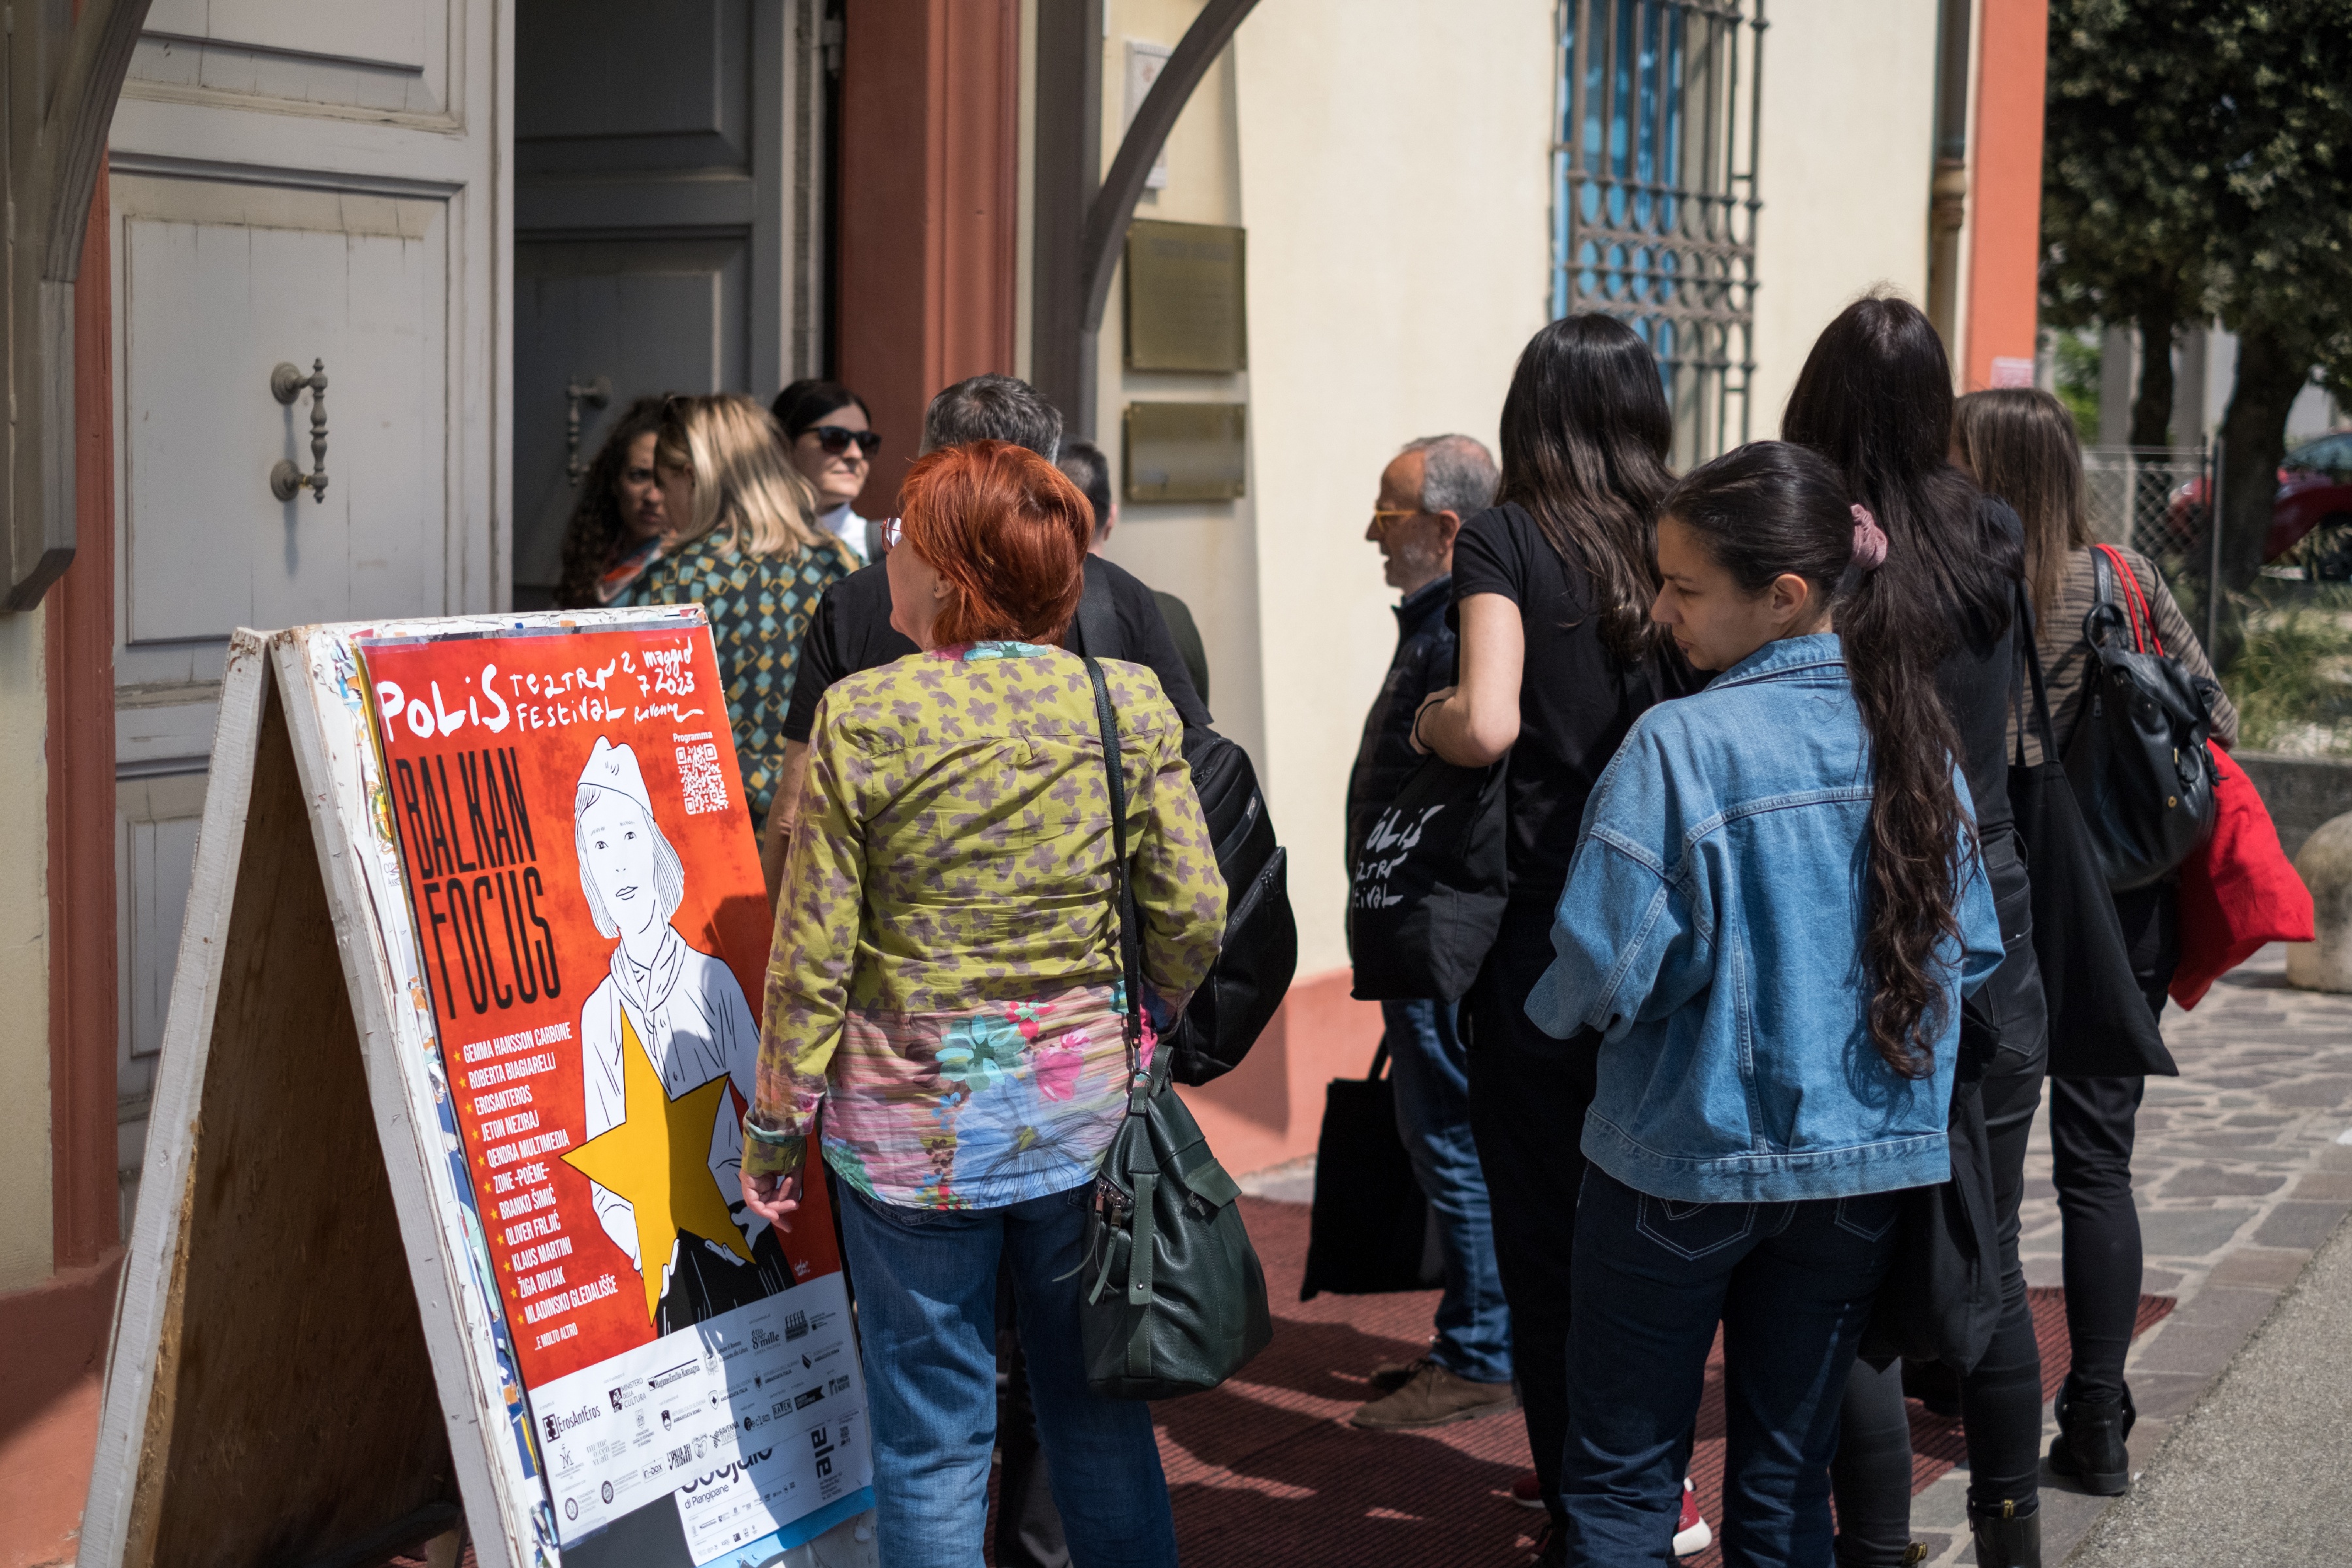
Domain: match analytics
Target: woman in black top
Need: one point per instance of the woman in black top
(1552, 589)
(1875, 398)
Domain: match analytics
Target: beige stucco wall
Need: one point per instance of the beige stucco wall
(1394, 180)
(1201, 553)
(25, 1206)
(1391, 161)
(1848, 149)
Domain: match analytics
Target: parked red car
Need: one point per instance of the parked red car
(2311, 519)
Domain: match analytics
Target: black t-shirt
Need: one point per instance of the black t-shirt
(1977, 676)
(1577, 700)
(852, 631)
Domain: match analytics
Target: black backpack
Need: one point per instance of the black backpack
(2137, 758)
(1254, 968)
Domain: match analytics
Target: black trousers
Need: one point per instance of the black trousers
(1028, 1525)
(1528, 1094)
(2092, 1124)
(2001, 1399)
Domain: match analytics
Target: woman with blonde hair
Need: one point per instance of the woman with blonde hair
(745, 545)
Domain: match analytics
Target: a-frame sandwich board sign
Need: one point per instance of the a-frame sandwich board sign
(473, 943)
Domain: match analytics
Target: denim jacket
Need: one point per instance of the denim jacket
(1711, 931)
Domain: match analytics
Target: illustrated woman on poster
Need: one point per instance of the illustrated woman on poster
(688, 1013)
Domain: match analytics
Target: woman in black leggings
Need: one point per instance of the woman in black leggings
(1875, 398)
(2021, 446)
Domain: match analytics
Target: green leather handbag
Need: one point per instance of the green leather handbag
(1174, 1299)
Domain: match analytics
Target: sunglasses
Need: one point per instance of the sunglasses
(836, 440)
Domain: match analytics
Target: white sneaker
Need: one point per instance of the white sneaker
(1691, 1534)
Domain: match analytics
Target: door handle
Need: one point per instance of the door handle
(286, 478)
(595, 394)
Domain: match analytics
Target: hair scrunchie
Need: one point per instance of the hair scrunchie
(1869, 540)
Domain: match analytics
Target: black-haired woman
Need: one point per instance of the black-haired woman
(2020, 445)
(1778, 1032)
(1551, 594)
(1875, 398)
(830, 439)
(618, 526)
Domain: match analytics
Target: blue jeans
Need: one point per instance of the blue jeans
(1791, 1284)
(1431, 1071)
(926, 1282)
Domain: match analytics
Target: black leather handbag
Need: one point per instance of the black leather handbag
(2099, 1023)
(1429, 886)
(1173, 1298)
(2137, 758)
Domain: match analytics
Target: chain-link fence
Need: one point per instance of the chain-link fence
(2159, 501)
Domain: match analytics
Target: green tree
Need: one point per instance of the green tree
(2281, 237)
(2199, 161)
(2126, 181)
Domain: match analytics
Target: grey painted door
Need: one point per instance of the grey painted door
(297, 182)
(667, 189)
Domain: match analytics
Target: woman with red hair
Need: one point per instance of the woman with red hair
(945, 986)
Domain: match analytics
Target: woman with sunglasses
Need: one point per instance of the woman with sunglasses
(745, 545)
(829, 440)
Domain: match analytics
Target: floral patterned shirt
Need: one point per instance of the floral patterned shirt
(758, 608)
(944, 983)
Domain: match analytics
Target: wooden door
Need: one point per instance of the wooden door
(313, 184)
(668, 220)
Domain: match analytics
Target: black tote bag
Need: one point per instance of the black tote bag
(1941, 1298)
(1370, 1231)
(1429, 886)
(2099, 1023)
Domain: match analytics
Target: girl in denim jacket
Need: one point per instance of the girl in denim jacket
(1774, 909)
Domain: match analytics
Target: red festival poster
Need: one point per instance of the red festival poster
(593, 930)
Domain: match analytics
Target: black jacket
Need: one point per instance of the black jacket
(1424, 663)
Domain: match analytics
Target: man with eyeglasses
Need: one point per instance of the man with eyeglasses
(1425, 492)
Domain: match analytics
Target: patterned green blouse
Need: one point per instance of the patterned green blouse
(758, 608)
(944, 977)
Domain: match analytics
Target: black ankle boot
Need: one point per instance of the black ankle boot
(2006, 1539)
(2089, 1447)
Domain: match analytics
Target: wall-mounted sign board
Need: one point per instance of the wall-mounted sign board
(1185, 451)
(1185, 297)
(474, 942)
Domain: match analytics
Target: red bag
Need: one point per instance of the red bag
(2238, 891)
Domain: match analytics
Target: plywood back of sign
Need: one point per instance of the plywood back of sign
(294, 1410)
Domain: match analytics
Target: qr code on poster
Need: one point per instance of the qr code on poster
(698, 770)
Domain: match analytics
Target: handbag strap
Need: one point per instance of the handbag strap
(2136, 613)
(2043, 730)
(1131, 957)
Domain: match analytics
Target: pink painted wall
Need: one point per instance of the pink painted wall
(1268, 1110)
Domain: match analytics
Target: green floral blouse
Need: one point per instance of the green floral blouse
(944, 978)
(759, 610)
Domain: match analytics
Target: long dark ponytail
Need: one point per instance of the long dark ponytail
(1774, 508)
(1585, 436)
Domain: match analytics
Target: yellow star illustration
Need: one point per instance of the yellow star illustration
(658, 1157)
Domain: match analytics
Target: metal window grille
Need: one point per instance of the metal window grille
(1653, 194)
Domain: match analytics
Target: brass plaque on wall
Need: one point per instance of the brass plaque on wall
(1184, 451)
(1184, 305)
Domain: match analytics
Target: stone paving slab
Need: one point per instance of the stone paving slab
(2255, 1475)
(2242, 1168)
